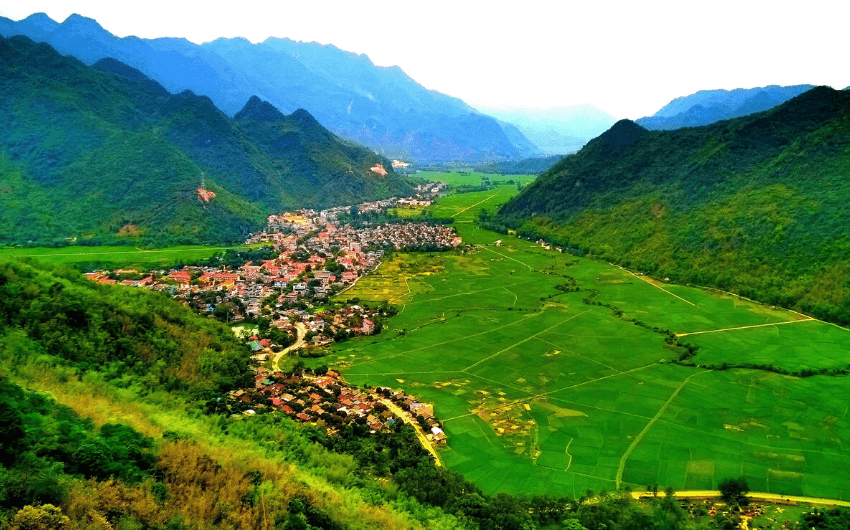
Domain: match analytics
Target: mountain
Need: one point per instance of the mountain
(755, 204)
(379, 106)
(710, 106)
(104, 154)
(557, 130)
(526, 166)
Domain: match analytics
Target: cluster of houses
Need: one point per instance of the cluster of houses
(326, 399)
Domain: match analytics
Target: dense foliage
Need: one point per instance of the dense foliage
(754, 205)
(103, 154)
(129, 335)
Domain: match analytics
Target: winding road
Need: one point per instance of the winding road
(301, 330)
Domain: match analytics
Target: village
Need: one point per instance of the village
(310, 256)
(322, 397)
(278, 299)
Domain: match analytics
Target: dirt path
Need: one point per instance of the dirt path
(807, 319)
(653, 284)
(477, 203)
(753, 496)
(405, 417)
(649, 425)
(524, 340)
(507, 257)
(299, 343)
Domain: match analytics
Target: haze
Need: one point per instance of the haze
(628, 58)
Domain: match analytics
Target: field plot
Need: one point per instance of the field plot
(800, 345)
(541, 392)
(114, 256)
(473, 178)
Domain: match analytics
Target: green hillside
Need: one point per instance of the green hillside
(103, 154)
(757, 205)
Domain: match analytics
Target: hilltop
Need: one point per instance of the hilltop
(103, 154)
(755, 204)
(379, 106)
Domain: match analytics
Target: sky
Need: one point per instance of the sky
(627, 58)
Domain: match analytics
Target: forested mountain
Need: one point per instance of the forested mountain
(710, 106)
(103, 153)
(381, 107)
(756, 204)
(526, 166)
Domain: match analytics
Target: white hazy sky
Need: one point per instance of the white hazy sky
(628, 57)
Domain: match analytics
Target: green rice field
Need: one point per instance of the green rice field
(125, 256)
(540, 392)
(473, 178)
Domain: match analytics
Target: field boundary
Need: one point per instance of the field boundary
(512, 346)
(476, 204)
(807, 319)
(652, 284)
(639, 437)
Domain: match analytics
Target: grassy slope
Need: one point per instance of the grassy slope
(116, 355)
(754, 205)
(494, 344)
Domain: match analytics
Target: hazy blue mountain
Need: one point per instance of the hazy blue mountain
(557, 130)
(379, 106)
(709, 106)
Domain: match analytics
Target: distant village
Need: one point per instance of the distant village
(280, 303)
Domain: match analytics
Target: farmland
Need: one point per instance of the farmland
(552, 374)
(473, 178)
(121, 256)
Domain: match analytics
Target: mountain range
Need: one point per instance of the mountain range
(756, 204)
(381, 107)
(103, 154)
(709, 106)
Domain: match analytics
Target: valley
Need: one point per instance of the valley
(555, 374)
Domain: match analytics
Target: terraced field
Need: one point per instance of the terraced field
(542, 389)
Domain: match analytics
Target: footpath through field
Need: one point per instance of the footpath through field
(639, 437)
(405, 417)
(299, 343)
(807, 319)
(476, 204)
(753, 496)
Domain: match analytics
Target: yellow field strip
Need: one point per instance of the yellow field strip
(807, 319)
(753, 496)
(535, 396)
(648, 426)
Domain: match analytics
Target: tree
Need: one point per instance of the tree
(46, 517)
(734, 491)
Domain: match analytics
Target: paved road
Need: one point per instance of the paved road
(395, 409)
(301, 330)
(753, 496)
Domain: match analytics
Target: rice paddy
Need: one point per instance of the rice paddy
(541, 392)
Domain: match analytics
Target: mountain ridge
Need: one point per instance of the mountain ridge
(93, 150)
(709, 106)
(379, 106)
(763, 195)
